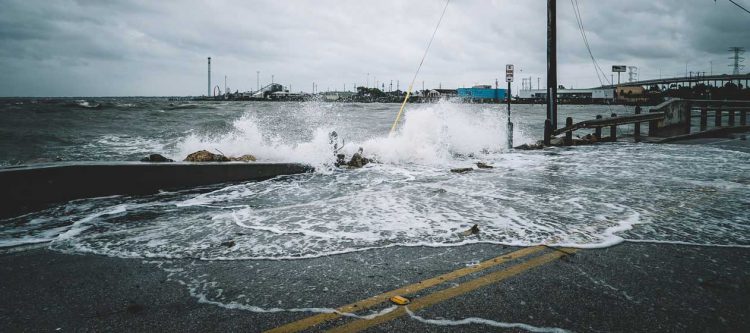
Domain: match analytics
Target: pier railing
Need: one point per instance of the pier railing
(668, 121)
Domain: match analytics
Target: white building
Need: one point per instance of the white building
(577, 94)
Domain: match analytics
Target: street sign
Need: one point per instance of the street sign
(508, 73)
(619, 68)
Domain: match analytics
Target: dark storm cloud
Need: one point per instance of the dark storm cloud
(87, 47)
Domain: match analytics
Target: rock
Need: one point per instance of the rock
(483, 165)
(357, 161)
(340, 160)
(244, 158)
(461, 170)
(526, 146)
(228, 243)
(205, 156)
(472, 231)
(156, 158)
(557, 141)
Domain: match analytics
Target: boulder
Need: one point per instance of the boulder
(205, 156)
(461, 170)
(156, 158)
(358, 161)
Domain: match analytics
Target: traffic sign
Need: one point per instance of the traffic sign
(508, 73)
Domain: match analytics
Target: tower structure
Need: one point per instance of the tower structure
(632, 73)
(208, 92)
(737, 59)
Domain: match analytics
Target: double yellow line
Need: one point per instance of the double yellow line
(430, 299)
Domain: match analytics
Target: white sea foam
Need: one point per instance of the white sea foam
(588, 197)
(482, 321)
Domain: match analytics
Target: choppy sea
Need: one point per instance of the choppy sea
(586, 196)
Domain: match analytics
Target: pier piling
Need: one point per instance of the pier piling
(547, 132)
(637, 126)
(569, 134)
(717, 118)
(730, 118)
(743, 117)
(613, 130)
(598, 130)
(704, 118)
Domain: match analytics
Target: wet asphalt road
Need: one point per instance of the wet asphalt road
(626, 288)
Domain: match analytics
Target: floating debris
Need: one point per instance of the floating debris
(400, 300)
(483, 165)
(461, 170)
(472, 231)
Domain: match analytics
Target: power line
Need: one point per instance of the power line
(738, 5)
(599, 72)
(408, 92)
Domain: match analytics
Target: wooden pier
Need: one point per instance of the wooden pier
(667, 122)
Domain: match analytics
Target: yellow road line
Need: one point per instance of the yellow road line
(445, 294)
(410, 289)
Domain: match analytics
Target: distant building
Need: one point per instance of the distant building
(333, 96)
(598, 95)
(482, 94)
(635, 94)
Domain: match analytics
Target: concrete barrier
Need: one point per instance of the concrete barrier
(28, 188)
(676, 119)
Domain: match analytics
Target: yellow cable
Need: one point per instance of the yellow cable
(398, 117)
(408, 92)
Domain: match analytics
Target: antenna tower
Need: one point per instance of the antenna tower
(737, 59)
(632, 73)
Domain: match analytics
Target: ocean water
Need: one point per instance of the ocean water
(592, 196)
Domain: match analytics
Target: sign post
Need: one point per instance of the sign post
(509, 79)
(619, 69)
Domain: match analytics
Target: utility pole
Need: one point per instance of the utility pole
(208, 93)
(225, 84)
(271, 78)
(257, 80)
(552, 62)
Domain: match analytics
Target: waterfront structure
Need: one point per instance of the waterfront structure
(597, 95)
(482, 94)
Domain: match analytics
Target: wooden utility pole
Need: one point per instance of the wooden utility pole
(552, 62)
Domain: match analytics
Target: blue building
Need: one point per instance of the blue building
(482, 94)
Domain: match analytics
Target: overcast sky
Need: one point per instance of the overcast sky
(158, 48)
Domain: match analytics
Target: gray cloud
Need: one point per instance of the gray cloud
(87, 47)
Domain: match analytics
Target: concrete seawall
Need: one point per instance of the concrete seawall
(28, 188)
